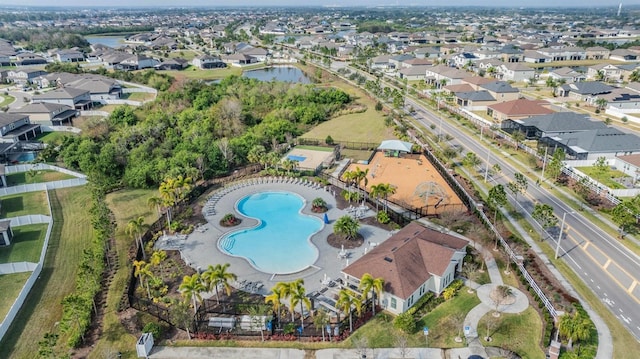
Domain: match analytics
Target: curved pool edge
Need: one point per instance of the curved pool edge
(259, 221)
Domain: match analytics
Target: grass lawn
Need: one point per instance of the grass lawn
(71, 232)
(139, 96)
(357, 155)
(26, 244)
(367, 126)
(37, 177)
(194, 73)
(54, 138)
(184, 54)
(380, 332)
(126, 205)
(11, 285)
(520, 333)
(315, 148)
(6, 100)
(606, 178)
(24, 203)
(442, 321)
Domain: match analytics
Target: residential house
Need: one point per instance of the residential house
(395, 62)
(597, 53)
(70, 56)
(515, 71)
(75, 98)
(535, 57)
(413, 73)
(29, 58)
(564, 53)
(173, 64)
(413, 62)
(414, 261)
(517, 109)
(604, 72)
(24, 76)
(101, 88)
(567, 74)
(442, 75)
(258, 54)
(583, 91)
(501, 90)
(16, 127)
(380, 62)
(626, 100)
(136, 62)
(208, 62)
(48, 114)
(238, 59)
(427, 52)
(554, 124)
(623, 55)
(589, 145)
(629, 165)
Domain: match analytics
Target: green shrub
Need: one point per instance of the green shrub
(405, 322)
(153, 328)
(383, 217)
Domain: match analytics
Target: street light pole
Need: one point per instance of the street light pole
(560, 235)
(486, 170)
(544, 163)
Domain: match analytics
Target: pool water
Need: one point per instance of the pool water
(296, 158)
(281, 243)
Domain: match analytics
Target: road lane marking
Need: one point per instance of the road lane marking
(606, 265)
(632, 287)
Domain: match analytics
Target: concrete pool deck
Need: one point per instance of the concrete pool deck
(200, 249)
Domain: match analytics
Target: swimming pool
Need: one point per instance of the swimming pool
(296, 158)
(280, 243)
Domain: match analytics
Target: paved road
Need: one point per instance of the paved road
(606, 266)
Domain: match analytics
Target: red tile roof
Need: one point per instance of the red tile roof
(408, 259)
(521, 107)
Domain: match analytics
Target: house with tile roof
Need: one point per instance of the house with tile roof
(583, 91)
(515, 71)
(517, 109)
(567, 74)
(414, 261)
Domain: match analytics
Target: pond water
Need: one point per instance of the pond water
(111, 41)
(279, 73)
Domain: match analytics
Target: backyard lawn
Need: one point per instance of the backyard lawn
(71, 233)
(11, 285)
(367, 126)
(39, 176)
(26, 244)
(139, 96)
(22, 204)
(606, 177)
(520, 333)
(193, 73)
(53, 138)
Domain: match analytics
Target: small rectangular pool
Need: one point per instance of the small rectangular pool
(296, 158)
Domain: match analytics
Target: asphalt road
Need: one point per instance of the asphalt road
(606, 266)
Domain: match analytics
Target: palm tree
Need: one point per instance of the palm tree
(359, 176)
(190, 288)
(285, 293)
(517, 137)
(143, 272)
(320, 320)
(213, 277)
(377, 192)
(385, 190)
(156, 203)
(374, 285)
(346, 226)
(135, 228)
(157, 258)
(298, 295)
(345, 301)
(275, 299)
(601, 103)
(574, 327)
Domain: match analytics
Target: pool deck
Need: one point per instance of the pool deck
(200, 249)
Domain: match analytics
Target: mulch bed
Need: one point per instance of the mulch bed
(337, 241)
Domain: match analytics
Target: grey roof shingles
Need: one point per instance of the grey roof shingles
(562, 122)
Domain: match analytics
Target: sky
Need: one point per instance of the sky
(213, 3)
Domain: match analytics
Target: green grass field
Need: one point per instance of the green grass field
(367, 126)
(26, 244)
(23, 204)
(606, 177)
(11, 285)
(37, 177)
(184, 54)
(194, 73)
(71, 232)
(520, 333)
(53, 138)
(138, 96)
(125, 205)
(6, 100)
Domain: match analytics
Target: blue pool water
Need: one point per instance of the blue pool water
(281, 243)
(296, 158)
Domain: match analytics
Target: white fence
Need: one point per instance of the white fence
(122, 102)
(17, 304)
(41, 166)
(47, 128)
(94, 113)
